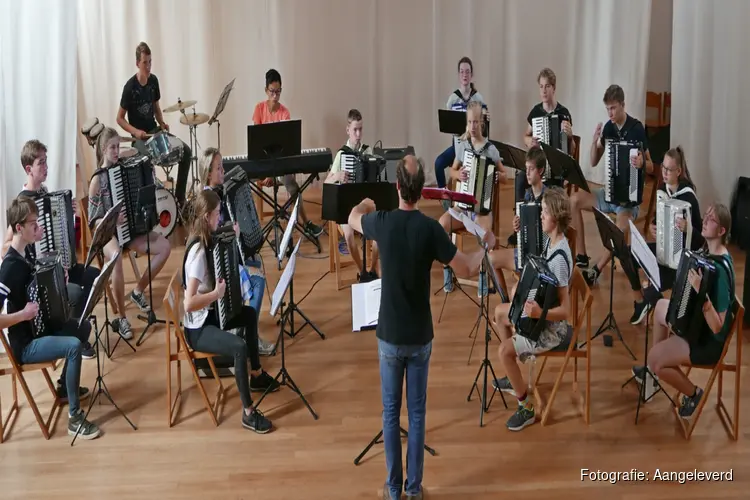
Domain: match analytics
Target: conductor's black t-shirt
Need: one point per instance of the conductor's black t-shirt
(408, 242)
(138, 101)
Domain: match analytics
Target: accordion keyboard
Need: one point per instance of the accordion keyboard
(348, 163)
(540, 129)
(467, 186)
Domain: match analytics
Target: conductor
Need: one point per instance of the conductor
(409, 242)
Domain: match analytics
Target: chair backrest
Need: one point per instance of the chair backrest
(570, 234)
(580, 301)
(171, 301)
(654, 107)
(577, 147)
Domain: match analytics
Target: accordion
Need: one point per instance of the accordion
(223, 264)
(240, 204)
(548, 129)
(685, 310)
(622, 180)
(537, 283)
(56, 217)
(360, 167)
(49, 290)
(531, 240)
(480, 184)
(126, 178)
(670, 241)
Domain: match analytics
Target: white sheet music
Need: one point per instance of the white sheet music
(471, 226)
(288, 231)
(365, 304)
(644, 256)
(284, 280)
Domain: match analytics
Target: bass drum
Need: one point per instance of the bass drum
(166, 213)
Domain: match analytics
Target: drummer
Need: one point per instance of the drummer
(140, 102)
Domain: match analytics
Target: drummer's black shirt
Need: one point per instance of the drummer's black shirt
(138, 102)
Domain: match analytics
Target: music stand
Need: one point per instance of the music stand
(613, 240)
(563, 166)
(97, 291)
(220, 104)
(451, 121)
(513, 157)
(147, 203)
(340, 199)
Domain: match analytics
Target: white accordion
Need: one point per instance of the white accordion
(669, 239)
(480, 184)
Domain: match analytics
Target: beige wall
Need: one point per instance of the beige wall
(659, 73)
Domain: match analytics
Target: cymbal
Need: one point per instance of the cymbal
(179, 106)
(194, 119)
(126, 139)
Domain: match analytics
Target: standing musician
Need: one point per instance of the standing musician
(211, 171)
(670, 352)
(409, 243)
(271, 110)
(100, 202)
(458, 101)
(620, 126)
(80, 278)
(140, 101)
(472, 141)
(16, 274)
(678, 185)
(555, 220)
(339, 176)
(201, 320)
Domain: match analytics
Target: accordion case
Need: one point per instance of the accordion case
(48, 289)
(670, 241)
(622, 180)
(537, 283)
(480, 184)
(685, 311)
(238, 197)
(530, 237)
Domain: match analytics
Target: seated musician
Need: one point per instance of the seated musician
(669, 352)
(100, 201)
(201, 321)
(678, 185)
(555, 220)
(80, 278)
(211, 171)
(620, 126)
(536, 162)
(337, 176)
(458, 101)
(271, 110)
(472, 141)
(16, 273)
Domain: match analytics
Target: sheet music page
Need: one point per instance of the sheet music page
(471, 226)
(372, 302)
(284, 280)
(365, 304)
(644, 256)
(288, 231)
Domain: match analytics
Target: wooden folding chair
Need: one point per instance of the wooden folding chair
(731, 423)
(570, 234)
(334, 256)
(655, 105)
(576, 146)
(173, 305)
(655, 179)
(17, 371)
(580, 325)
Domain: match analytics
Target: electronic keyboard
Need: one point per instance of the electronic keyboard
(311, 161)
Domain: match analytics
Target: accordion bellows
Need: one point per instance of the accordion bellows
(49, 290)
(670, 241)
(223, 264)
(238, 197)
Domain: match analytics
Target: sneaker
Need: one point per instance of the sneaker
(640, 309)
(582, 261)
(88, 430)
(640, 373)
(256, 422)
(447, 280)
(265, 348)
(62, 393)
(482, 286)
(88, 351)
(446, 204)
(418, 496)
(139, 299)
(690, 403)
(123, 328)
(263, 383)
(523, 417)
(591, 275)
(313, 229)
(503, 384)
(343, 248)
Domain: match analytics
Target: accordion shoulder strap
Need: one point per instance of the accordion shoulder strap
(560, 252)
(189, 245)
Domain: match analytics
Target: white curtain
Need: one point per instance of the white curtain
(710, 68)
(394, 60)
(37, 91)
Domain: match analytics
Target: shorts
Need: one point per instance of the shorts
(706, 351)
(552, 336)
(612, 208)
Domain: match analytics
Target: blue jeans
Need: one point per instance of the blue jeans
(258, 287)
(443, 161)
(66, 343)
(612, 208)
(395, 361)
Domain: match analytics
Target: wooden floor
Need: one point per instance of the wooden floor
(307, 458)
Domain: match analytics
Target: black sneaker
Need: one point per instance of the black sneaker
(640, 310)
(503, 384)
(88, 430)
(263, 383)
(582, 261)
(591, 276)
(639, 372)
(62, 393)
(313, 229)
(523, 417)
(256, 422)
(88, 351)
(690, 403)
(139, 299)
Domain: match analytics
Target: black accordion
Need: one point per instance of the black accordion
(531, 240)
(49, 290)
(125, 179)
(480, 184)
(685, 312)
(537, 283)
(360, 167)
(622, 183)
(57, 219)
(224, 264)
(240, 204)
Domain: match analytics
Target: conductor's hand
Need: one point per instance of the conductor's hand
(652, 230)
(369, 205)
(30, 311)
(532, 309)
(219, 289)
(489, 239)
(516, 224)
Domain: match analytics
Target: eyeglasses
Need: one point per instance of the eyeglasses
(274, 91)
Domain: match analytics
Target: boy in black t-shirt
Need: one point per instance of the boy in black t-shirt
(620, 126)
(16, 274)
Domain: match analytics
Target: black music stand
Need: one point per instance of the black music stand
(451, 121)
(147, 204)
(613, 240)
(513, 157)
(563, 166)
(220, 105)
(97, 291)
(340, 199)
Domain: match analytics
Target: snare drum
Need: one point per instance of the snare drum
(166, 211)
(163, 149)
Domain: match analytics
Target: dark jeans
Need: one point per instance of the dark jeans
(667, 276)
(80, 281)
(183, 167)
(66, 343)
(210, 338)
(443, 161)
(397, 361)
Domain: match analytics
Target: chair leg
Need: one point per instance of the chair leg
(7, 422)
(220, 391)
(202, 390)
(555, 388)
